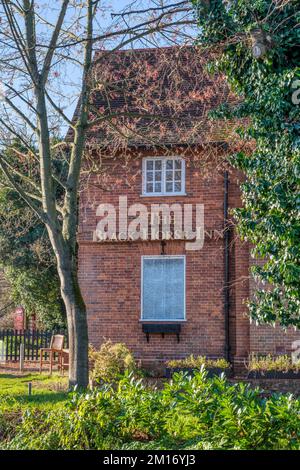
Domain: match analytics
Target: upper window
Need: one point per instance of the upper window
(163, 176)
(163, 288)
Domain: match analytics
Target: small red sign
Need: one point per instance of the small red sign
(19, 318)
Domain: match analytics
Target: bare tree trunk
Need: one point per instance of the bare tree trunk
(66, 256)
(77, 321)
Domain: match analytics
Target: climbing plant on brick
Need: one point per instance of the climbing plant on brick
(257, 45)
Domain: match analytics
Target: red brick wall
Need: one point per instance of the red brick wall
(111, 281)
(110, 273)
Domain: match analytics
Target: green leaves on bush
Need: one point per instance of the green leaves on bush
(199, 361)
(110, 362)
(188, 413)
(268, 363)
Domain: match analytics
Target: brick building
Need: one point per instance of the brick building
(161, 298)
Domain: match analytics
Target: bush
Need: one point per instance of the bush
(270, 363)
(198, 362)
(110, 362)
(188, 413)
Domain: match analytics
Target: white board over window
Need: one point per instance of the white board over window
(163, 288)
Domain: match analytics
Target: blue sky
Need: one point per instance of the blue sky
(105, 21)
(64, 79)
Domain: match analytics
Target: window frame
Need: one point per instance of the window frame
(163, 180)
(184, 287)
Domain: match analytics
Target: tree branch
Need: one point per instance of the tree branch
(20, 113)
(28, 199)
(53, 42)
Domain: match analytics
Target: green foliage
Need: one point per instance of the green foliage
(188, 413)
(270, 217)
(198, 362)
(38, 292)
(269, 363)
(110, 362)
(9, 420)
(26, 255)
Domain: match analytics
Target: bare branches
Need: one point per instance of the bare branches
(18, 38)
(18, 188)
(30, 33)
(59, 110)
(52, 66)
(20, 113)
(53, 42)
(70, 202)
(152, 9)
(19, 94)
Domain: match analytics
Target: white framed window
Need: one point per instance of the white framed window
(163, 176)
(163, 288)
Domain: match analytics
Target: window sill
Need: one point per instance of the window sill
(163, 195)
(169, 322)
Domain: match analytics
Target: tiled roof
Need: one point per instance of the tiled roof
(157, 97)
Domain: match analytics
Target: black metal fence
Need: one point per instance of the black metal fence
(33, 340)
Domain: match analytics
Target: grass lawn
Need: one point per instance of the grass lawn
(47, 391)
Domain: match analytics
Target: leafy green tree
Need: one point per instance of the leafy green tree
(38, 291)
(27, 257)
(257, 44)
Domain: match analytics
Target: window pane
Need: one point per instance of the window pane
(158, 187)
(177, 187)
(158, 176)
(169, 175)
(169, 187)
(170, 164)
(149, 175)
(178, 175)
(163, 289)
(149, 165)
(149, 188)
(158, 164)
(178, 164)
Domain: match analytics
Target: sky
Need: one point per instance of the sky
(106, 21)
(65, 78)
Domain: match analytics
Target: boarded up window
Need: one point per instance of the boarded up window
(163, 288)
